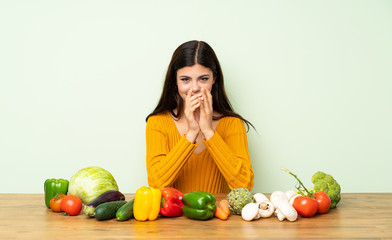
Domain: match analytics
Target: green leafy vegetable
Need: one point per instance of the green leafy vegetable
(326, 183)
(88, 183)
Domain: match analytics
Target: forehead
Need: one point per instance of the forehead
(195, 70)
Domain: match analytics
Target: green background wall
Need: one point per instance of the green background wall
(78, 78)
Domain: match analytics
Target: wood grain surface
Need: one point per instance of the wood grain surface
(358, 216)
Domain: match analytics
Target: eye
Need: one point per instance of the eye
(184, 79)
(204, 79)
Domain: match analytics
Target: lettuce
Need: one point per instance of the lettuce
(88, 183)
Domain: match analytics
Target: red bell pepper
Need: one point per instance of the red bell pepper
(171, 204)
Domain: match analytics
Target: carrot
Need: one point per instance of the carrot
(222, 210)
(224, 205)
(219, 213)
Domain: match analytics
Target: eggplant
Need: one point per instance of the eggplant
(109, 196)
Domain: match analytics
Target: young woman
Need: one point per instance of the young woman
(195, 141)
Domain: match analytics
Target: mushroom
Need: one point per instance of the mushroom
(283, 207)
(259, 197)
(291, 195)
(250, 212)
(266, 208)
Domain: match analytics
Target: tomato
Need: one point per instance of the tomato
(71, 204)
(305, 206)
(323, 202)
(55, 202)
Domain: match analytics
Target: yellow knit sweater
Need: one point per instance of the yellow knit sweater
(224, 164)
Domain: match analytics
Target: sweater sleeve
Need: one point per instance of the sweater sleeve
(231, 154)
(164, 164)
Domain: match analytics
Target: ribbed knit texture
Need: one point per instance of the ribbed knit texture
(223, 165)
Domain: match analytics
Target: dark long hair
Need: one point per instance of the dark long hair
(189, 54)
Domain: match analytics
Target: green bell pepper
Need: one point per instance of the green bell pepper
(199, 205)
(53, 187)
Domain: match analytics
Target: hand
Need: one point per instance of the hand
(206, 111)
(191, 109)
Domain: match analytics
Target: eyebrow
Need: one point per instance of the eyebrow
(204, 75)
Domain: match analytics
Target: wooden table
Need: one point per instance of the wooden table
(25, 216)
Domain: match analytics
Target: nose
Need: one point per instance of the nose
(196, 87)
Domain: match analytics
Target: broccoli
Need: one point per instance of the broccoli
(326, 183)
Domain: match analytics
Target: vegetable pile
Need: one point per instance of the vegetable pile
(322, 182)
(288, 205)
(97, 190)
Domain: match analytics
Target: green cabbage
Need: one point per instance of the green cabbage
(88, 183)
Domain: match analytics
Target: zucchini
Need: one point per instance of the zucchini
(108, 210)
(125, 212)
(109, 196)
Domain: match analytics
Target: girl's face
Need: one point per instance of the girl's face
(194, 77)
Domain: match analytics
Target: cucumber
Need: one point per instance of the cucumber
(125, 212)
(108, 210)
(109, 196)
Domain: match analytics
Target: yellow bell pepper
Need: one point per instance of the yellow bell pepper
(147, 203)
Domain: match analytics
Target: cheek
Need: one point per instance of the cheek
(208, 86)
(182, 90)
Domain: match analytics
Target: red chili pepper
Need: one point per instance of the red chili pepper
(171, 205)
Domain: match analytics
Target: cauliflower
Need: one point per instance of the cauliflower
(326, 183)
(238, 198)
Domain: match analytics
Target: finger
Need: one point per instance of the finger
(188, 96)
(195, 97)
(189, 93)
(207, 99)
(194, 106)
(193, 103)
(190, 102)
(194, 109)
(202, 105)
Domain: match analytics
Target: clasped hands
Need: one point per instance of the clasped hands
(198, 111)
